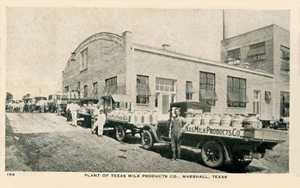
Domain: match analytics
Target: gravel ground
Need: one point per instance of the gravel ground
(46, 142)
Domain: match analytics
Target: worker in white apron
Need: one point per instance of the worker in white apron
(100, 122)
(74, 108)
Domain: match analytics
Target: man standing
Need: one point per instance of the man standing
(176, 130)
(74, 107)
(100, 122)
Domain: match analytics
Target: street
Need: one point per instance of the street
(47, 142)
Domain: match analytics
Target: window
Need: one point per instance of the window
(156, 100)
(83, 59)
(85, 91)
(111, 86)
(189, 90)
(142, 89)
(207, 92)
(257, 52)
(284, 104)
(233, 57)
(78, 88)
(285, 58)
(236, 92)
(167, 85)
(95, 88)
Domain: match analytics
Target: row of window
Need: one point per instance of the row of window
(110, 88)
(257, 53)
(236, 89)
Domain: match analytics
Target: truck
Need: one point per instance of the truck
(218, 145)
(119, 123)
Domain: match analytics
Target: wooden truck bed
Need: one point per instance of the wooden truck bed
(261, 135)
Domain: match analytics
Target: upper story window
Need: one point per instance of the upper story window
(236, 92)
(189, 90)
(85, 90)
(84, 59)
(142, 89)
(285, 58)
(257, 52)
(165, 85)
(207, 92)
(95, 88)
(111, 86)
(233, 57)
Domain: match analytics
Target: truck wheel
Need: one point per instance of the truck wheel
(212, 154)
(120, 133)
(147, 139)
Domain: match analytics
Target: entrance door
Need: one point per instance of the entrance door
(165, 103)
(257, 102)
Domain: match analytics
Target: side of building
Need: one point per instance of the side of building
(251, 78)
(266, 49)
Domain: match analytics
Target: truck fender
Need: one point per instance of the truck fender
(227, 153)
(152, 129)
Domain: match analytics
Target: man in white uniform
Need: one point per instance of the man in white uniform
(74, 107)
(100, 121)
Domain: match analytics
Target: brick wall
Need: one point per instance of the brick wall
(106, 59)
(243, 42)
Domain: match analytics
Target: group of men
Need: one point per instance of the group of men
(94, 110)
(15, 106)
(27, 106)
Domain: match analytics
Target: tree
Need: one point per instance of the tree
(9, 96)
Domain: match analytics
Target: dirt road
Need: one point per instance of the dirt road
(46, 142)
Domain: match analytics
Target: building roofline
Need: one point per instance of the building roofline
(96, 36)
(261, 28)
(172, 54)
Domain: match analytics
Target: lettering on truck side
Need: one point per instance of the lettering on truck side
(215, 131)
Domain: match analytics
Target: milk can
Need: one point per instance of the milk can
(226, 120)
(189, 118)
(215, 120)
(205, 119)
(197, 119)
(237, 121)
(251, 122)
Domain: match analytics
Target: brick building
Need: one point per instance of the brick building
(265, 49)
(152, 78)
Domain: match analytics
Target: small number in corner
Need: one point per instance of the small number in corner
(10, 174)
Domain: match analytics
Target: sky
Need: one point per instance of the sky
(40, 40)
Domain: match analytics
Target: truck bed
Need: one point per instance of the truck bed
(256, 135)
